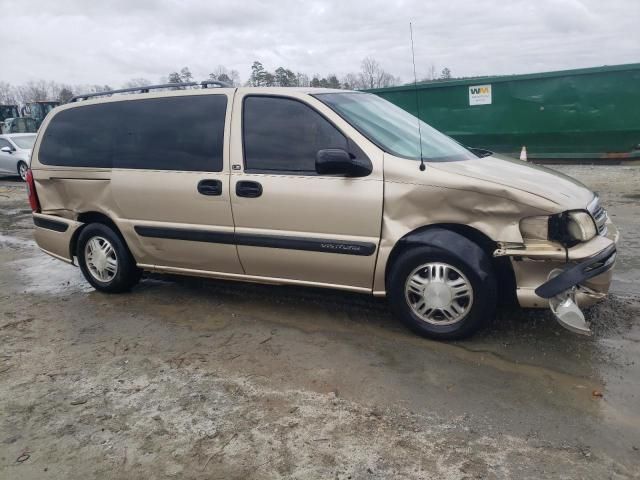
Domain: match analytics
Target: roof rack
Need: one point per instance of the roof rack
(145, 89)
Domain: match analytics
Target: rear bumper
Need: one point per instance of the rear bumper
(54, 235)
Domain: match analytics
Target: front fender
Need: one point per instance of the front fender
(444, 240)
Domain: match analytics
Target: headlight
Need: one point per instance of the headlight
(568, 228)
(572, 227)
(580, 226)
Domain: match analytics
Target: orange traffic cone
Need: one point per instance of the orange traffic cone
(523, 154)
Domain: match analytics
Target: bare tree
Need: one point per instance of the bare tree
(351, 81)
(7, 94)
(99, 88)
(222, 74)
(371, 75)
(431, 74)
(34, 91)
(136, 82)
(371, 72)
(388, 80)
(302, 79)
(446, 74)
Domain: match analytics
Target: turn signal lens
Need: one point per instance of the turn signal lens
(535, 228)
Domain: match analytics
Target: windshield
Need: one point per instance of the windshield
(37, 110)
(394, 129)
(8, 111)
(47, 107)
(24, 142)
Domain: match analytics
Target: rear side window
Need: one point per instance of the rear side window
(282, 134)
(173, 133)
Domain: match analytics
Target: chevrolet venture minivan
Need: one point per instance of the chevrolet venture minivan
(318, 187)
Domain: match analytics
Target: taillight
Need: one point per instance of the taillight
(31, 191)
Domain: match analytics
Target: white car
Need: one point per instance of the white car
(15, 153)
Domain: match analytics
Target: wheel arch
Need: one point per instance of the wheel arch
(87, 218)
(446, 236)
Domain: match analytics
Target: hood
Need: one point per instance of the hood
(556, 187)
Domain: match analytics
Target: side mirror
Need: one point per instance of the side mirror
(6, 150)
(335, 161)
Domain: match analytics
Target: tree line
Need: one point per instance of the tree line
(370, 75)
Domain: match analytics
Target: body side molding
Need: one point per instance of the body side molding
(50, 224)
(268, 241)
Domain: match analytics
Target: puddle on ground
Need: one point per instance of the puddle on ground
(15, 241)
(43, 274)
(16, 211)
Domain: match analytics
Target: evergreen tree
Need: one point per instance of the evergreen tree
(258, 73)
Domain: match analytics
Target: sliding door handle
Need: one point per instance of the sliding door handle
(248, 189)
(210, 187)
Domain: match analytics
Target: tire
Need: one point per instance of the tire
(22, 170)
(474, 306)
(105, 259)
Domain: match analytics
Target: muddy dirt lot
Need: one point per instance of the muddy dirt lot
(192, 378)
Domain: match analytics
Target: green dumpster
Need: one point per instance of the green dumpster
(589, 113)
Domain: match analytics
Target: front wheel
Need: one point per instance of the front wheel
(441, 295)
(105, 260)
(22, 170)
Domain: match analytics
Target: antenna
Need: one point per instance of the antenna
(415, 89)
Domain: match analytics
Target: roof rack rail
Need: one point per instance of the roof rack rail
(145, 89)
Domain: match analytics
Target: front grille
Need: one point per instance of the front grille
(599, 215)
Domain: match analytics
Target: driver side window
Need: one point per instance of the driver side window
(284, 135)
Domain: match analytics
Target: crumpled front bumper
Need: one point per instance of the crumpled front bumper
(548, 275)
(579, 273)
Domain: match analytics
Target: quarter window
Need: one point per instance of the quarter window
(282, 134)
(172, 133)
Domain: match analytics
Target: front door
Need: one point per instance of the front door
(292, 223)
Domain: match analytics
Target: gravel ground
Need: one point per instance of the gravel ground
(195, 378)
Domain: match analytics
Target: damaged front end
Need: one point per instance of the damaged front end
(563, 284)
(556, 267)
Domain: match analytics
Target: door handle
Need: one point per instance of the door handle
(249, 189)
(210, 187)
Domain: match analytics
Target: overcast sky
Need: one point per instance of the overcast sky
(110, 42)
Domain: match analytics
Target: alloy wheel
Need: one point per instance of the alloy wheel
(101, 259)
(22, 171)
(439, 293)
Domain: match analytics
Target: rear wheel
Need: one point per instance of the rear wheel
(442, 295)
(105, 260)
(22, 170)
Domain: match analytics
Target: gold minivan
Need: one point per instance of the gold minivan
(317, 187)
